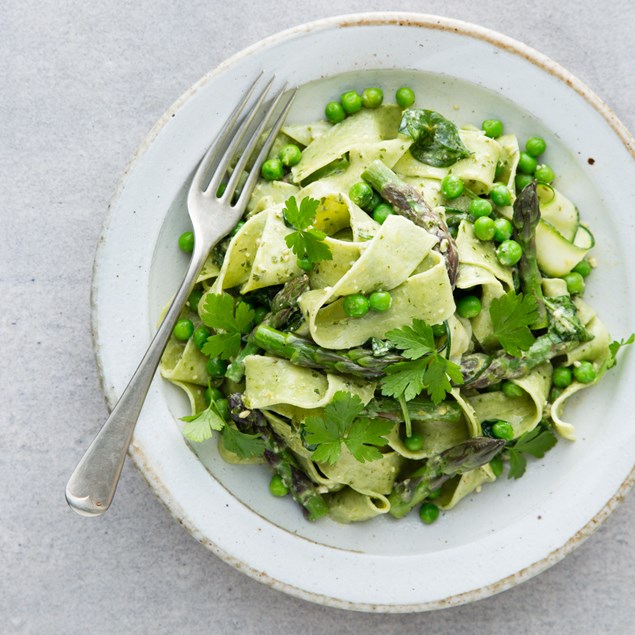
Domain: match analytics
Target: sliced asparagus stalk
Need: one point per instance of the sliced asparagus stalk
(525, 220)
(438, 469)
(407, 201)
(279, 457)
(284, 308)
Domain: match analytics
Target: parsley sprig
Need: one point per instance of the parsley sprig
(339, 424)
(306, 242)
(233, 318)
(427, 367)
(614, 348)
(201, 426)
(536, 443)
(511, 317)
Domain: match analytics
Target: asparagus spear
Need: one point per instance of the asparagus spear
(407, 201)
(357, 362)
(438, 469)
(525, 220)
(279, 457)
(418, 409)
(479, 370)
(284, 308)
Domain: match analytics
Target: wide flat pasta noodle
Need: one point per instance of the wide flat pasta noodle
(388, 264)
(459, 487)
(524, 413)
(437, 436)
(271, 381)
(349, 506)
(366, 126)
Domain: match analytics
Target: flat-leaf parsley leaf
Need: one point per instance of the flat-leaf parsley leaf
(511, 317)
(244, 445)
(223, 313)
(201, 426)
(614, 348)
(536, 443)
(427, 368)
(340, 424)
(307, 243)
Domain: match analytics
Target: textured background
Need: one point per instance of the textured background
(82, 83)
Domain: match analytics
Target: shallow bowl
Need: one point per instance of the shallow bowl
(495, 539)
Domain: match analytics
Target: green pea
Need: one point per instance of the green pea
(382, 212)
(351, 102)
(272, 170)
(583, 268)
(584, 372)
(492, 128)
(405, 97)
(216, 368)
(222, 405)
(562, 377)
(522, 181)
(334, 112)
(261, 313)
(200, 336)
(434, 494)
(277, 486)
(305, 264)
(290, 155)
(183, 330)
(510, 389)
(361, 194)
(484, 228)
(186, 242)
(503, 430)
(480, 207)
(374, 201)
(438, 330)
(575, 282)
(500, 195)
(498, 172)
(452, 186)
(544, 174)
(213, 393)
(380, 301)
(356, 305)
(496, 465)
(194, 299)
(372, 97)
(504, 230)
(468, 306)
(509, 252)
(414, 442)
(428, 512)
(526, 163)
(239, 225)
(554, 393)
(535, 146)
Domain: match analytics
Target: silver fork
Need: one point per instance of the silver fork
(92, 485)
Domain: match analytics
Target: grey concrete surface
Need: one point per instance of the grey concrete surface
(82, 83)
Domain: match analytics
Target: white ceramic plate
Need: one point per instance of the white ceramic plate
(512, 530)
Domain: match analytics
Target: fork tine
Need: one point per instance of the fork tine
(226, 133)
(250, 183)
(239, 135)
(233, 182)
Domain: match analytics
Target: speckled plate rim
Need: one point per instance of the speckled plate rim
(424, 21)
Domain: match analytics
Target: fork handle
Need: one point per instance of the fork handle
(92, 485)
